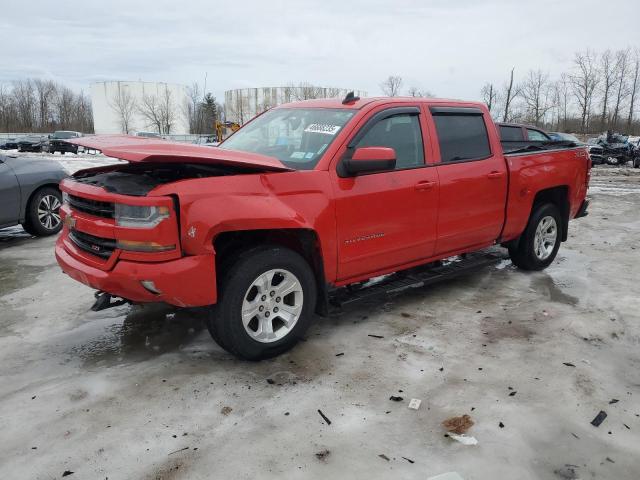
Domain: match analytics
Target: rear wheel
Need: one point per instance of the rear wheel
(266, 303)
(540, 241)
(43, 212)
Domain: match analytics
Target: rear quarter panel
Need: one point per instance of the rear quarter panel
(532, 173)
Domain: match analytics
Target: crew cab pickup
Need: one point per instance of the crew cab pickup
(304, 199)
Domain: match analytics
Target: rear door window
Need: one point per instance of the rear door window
(461, 136)
(511, 134)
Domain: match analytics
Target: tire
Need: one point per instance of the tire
(527, 253)
(248, 284)
(43, 212)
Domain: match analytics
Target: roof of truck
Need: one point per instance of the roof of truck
(361, 102)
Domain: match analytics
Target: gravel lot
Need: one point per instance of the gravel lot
(144, 393)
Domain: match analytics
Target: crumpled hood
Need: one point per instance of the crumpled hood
(142, 149)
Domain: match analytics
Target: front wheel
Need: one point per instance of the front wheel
(266, 303)
(540, 241)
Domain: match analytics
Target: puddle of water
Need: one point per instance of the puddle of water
(15, 275)
(545, 283)
(145, 332)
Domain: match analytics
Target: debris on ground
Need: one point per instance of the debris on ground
(324, 417)
(568, 472)
(384, 457)
(599, 418)
(409, 460)
(512, 394)
(414, 403)
(396, 399)
(458, 425)
(176, 451)
(375, 336)
(270, 381)
(613, 400)
(226, 410)
(447, 476)
(568, 364)
(322, 455)
(501, 425)
(462, 438)
(339, 354)
(66, 473)
(406, 315)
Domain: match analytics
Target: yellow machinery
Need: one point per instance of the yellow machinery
(224, 129)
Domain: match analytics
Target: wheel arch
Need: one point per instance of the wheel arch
(559, 196)
(228, 245)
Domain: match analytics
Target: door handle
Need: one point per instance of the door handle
(426, 185)
(495, 175)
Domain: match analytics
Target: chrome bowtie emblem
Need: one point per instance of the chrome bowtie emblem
(192, 232)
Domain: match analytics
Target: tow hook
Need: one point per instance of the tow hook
(103, 301)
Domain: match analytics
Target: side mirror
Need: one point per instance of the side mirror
(370, 159)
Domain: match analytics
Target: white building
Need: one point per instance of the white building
(129, 107)
(243, 104)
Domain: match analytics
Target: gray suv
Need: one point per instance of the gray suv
(29, 194)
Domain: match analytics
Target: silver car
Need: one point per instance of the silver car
(29, 194)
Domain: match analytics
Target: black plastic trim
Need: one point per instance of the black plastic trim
(455, 111)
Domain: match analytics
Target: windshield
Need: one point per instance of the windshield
(63, 135)
(33, 139)
(295, 136)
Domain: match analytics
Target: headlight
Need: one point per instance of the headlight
(135, 216)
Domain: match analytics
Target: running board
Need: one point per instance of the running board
(418, 277)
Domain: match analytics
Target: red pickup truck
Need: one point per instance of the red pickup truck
(306, 198)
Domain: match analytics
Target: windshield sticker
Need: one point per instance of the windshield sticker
(322, 148)
(309, 155)
(324, 128)
(297, 155)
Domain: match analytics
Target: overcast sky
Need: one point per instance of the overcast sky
(448, 47)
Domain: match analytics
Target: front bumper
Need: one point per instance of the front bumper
(185, 282)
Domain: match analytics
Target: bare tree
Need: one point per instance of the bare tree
(167, 111)
(65, 105)
(489, 95)
(623, 69)
(510, 92)
(391, 86)
(124, 105)
(634, 87)
(25, 104)
(584, 81)
(150, 108)
(45, 91)
(192, 109)
(608, 71)
(418, 92)
(536, 92)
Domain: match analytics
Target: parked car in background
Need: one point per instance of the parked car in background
(57, 142)
(565, 137)
(32, 143)
(596, 152)
(616, 148)
(8, 144)
(29, 194)
(514, 136)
